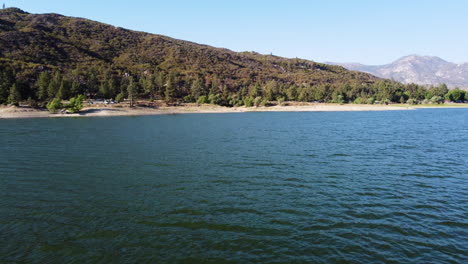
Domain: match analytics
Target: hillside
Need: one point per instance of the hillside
(424, 70)
(43, 56)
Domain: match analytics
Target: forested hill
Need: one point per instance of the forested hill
(49, 55)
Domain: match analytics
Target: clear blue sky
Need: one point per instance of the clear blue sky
(367, 31)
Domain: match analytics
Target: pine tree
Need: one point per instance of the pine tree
(92, 84)
(159, 84)
(52, 89)
(131, 90)
(271, 89)
(6, 81)
(113, 85)
(170, 91)
(64, 90)
(75, 88)
(3, 92)
(197, 89)
(104, 89)
(255, 90)
(148, 85)
(43, 84)
(54, 85)
(15, 96)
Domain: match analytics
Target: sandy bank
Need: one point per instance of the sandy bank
(26, 112)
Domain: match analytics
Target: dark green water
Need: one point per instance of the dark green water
(357, 187)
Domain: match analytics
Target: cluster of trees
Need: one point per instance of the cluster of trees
(110, 83)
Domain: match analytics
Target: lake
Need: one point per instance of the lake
(308, 187)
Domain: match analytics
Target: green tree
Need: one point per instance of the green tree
(215, 99)
(455, 95)
(255, 90)
(76, 104)
(440, 91)
(104, 90)
(402, 100)
(131, 91)
(7, 78)
(159, 84)
(339, 99)
(15, 96)
(92, 83)
(170, 91)
(359, 100)
(291, 93)
(64, 90)
(54, 85)
(75, 88)
(113, 85)
(43, 84)
(215, 84)
(304, 94)
(437, 99)
(415, 91)
(248, 102)
(280, 100)
(257, 101)
(203, 100)
(271, 90)
(147, 82)
(54, 105)
(197, 88)
(120, 97)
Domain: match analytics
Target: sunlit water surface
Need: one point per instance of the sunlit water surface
(312, 187)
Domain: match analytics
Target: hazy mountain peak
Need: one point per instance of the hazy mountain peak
(426, 70)
(420, 59)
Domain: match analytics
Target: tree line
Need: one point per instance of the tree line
(45, 84)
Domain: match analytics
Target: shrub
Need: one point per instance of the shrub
(120, 97)
(280, 100)
(359, 100)
(437, 100)
(202, 100)
(76, 104)
(215, 99)
(371, 100)
(402, 99)
(339, 99)
(189, 99)
(54, 105)
(385, 101)
(265, 102)
(235, 101)
(257, 101)
(248, 102)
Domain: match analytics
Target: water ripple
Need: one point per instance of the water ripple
(380, 187)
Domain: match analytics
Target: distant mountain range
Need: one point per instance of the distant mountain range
(425, 70)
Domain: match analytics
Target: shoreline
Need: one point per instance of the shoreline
(107, 111)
